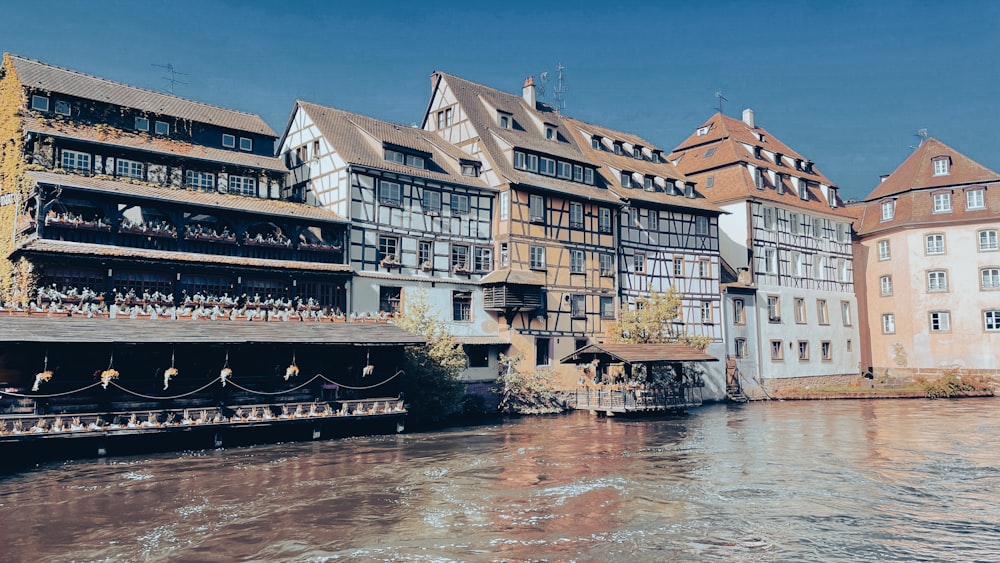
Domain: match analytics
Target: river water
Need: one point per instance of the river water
(904, 480)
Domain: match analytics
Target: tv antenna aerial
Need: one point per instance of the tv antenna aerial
(718, 94)
(560, 88)
(172, 79)
(922, 135)
(543, 78)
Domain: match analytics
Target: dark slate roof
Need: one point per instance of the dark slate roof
(105, 330)
(273, 207)
(36, 74)
(635, 353)
(150, 143)
(45, 246)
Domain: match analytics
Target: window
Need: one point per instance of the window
(607, 307)
(388, 248)
(653, 221)
(941, 166)
(843, 267)
(845, 313)
(390, 193)
(504, 255)
(228, 141)
(794, 223)
(547, 166)
(482, 259)
(448, 117)
(576, 262)
(709, 153)
(740, 347)
(884, 252)
(62, 107)
(461, 306)
(678, 264)
(578, 173)
(710, 182)
(934, 244)
(702, 131)
(800, 310)
(415, 161)
(618, 147)
(595, 143)
(940, 321)
(758, 178)
(459, 257)
(246, 144)
(639, 263)
(987, 240)
(974, 199)
(701, 226)
(798, 263)
(779, 186)
(739, 312)
(536, 208)
(604, 220)
(459, 204)
(479, 356)
(991, 320)
(769, 218)
(770, 260)
(198, 180)
(430, 201)
(40, 103)
(394, 156)
(74, 161)
(842, 232)
(885, 285)
(773, 309)
(822, 313)
(550, 133)
(537, 257)
(141, 124)
(542, 356)
(578, 306)
(440, 120)
(243, 185)
(803, 190)
(647, 183)
(850, 344)
(504, 206)
(817, 227)
(565, 170)
(888, 323)
(130, 169)
(777, 350)
(819, 268)
(990, 278)
(706, 312)
(390, 299)
(503, 119)
(163, 128)
(704, 268)
(826, 350)
(470, 170)
(424, 254)
(575, 215)
(803, 350)
(937, 280)
(626, 179)
(607, 263)
(888, 210)
(942, 203)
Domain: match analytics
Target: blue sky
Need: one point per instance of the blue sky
(847, 84)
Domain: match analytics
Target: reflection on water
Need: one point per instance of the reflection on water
(830, 480)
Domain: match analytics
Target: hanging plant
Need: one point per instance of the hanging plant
(167, 375)
(369, 368)
(40, 377)
(291, 371)
(224, 375)
(107, 375)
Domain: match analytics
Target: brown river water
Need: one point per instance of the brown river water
(903, 480)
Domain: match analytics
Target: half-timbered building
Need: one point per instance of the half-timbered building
(927, 250)
(554, 219)
(421, 218)
(787, 228)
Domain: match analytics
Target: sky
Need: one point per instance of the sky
(848, 84)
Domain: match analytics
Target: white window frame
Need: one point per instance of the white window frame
(547, 166)
(888, 323)
(246, 144)
(885, 286)
(653, 221)
(739, 312)
(884, 250)
(939, 321)
(941, 167)
(740, 347)
(577, 261)
(390, 194)
(161, 128)
(564, 170)
(134, 169)
(701, 225)
(604, 220)
(588, 176)
(639, 263)
(537, 257)
(988, 240)
(460, 204)
(822, 312)
(845, 313)
(141, 124)
(460, 256)
(706, 312)
(989, 278)
(888, 210)
(430, 201)
(39, 103)
(578, 306)
(934, 244)
(975, 199)
(577, 173)
(536, 208)
(991, 320)
(942, 203)
(575, 215)
(244, 185)
(504, 206)
(199, 180)
(75, 161)
(607, 264)
(937, 280)
(482, 258)
(228, 141)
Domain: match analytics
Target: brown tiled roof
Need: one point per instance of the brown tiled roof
(106, 330)
(608, 163)
(476, 100)
(36, 74)
(916, 207)
(519, 277)
(59, 247)
(917, 171)
(149, 143)
(358, 140)
(286, 209)
(633, 353)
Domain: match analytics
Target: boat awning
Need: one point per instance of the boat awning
(638, 353)
(143, 331)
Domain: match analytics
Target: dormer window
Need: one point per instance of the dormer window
(779, 186)
(245, 143)
(405, 159)
(588, 176)
(778, 159)
(163, 128)
(62, 107)
(504, 120)
(942, 202)
(809, 167)
(657, 157)
(888, 210)
(832, 197)
(228, 141)
(626, 179)
(941, 165)
(40, 103)
(758, 178)
(618, 147)
(550, 132)
(803, 190)
(689, 190)
(142, 124)
(577, 173)
(647, 183)
(595, 143)
(757, 152)
(798, 164)
(471, 170)
(702, 131)
(637, 152)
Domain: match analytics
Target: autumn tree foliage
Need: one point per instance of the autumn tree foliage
(653, 321)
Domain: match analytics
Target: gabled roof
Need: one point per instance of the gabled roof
(610, 165)
(150, 143)
(206, 200)
(917, 171)
(46, 77)
(480, 103)
(360, 139)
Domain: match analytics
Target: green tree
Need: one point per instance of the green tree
(653, 323)
(431, 384)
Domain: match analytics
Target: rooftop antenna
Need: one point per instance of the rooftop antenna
(543, 78)
(718, 94)
(172, 79)
(922, 135)
(560, 88)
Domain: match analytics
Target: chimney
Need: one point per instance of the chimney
(529, 91)
(748, 118)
